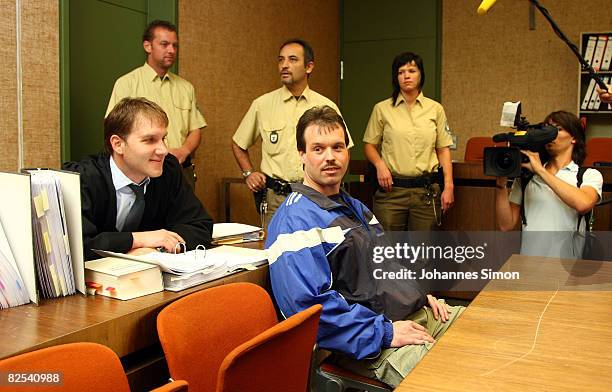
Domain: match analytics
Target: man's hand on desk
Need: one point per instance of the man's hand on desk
(256, 181)
(154, 239)
(409, 332)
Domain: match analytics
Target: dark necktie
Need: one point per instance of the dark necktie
(132, 221)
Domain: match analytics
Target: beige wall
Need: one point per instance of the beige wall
(40, 85)
(496, 58)
(228, 52)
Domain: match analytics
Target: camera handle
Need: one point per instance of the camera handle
(585, 66)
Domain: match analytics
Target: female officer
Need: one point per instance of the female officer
(413, 137)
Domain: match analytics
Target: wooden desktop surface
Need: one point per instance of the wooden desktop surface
(124, 326)
(552, 331)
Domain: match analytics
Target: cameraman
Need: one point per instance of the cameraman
(553, 202)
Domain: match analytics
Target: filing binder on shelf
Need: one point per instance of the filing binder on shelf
(600, 48)
(587, 96)
(590, 49)
(122, 278)
(607, 57)
(235, 233)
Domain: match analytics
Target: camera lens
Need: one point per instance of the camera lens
(504, 161)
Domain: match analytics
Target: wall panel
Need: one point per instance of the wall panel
(496, 58)
(228, 52)
(40, 84)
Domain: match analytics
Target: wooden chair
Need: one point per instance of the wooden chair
(227, 338)
(599, 149)
(474, 149)
(88, 367)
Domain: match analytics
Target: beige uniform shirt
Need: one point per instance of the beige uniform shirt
(409, 136)
(273, 118)
(174, 94)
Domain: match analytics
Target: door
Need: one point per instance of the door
(373, 33)
(100, 41)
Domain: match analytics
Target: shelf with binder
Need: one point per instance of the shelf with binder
(596, 47)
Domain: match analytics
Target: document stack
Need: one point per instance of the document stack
(235, 233)
(183, 270)
(223, 261)
(41, 220)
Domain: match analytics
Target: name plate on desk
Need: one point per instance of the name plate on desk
(122, 278)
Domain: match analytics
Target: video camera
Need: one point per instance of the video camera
(506, 161)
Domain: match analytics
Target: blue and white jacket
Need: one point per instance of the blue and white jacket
(319, 252)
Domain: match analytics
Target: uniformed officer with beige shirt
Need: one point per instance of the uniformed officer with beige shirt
(273, 118)
(412, 134)
(174, 94)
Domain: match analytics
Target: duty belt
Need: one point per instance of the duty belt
(414, 182)
(278, 186)
(187, 162)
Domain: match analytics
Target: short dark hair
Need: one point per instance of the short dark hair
(573, 126)
(323, 116)
(308, 52)
(399, 61)
(121, 120)
(149, 32)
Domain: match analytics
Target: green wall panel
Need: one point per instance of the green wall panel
(373, 33)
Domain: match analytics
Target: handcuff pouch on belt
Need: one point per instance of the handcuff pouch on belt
(279, 187)
(425, 181)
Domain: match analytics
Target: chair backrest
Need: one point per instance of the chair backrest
(83, 366)
(474, 149)
(599, 149)
(198, 331)
(276, 360)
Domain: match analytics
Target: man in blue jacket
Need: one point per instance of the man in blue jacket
(319, 245)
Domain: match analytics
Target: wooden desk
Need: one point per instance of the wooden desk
(124, 326)
(553, 334)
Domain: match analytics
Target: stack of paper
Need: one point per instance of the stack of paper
(13, 291)
(173, 282)
(235, 233)
(240, 258)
